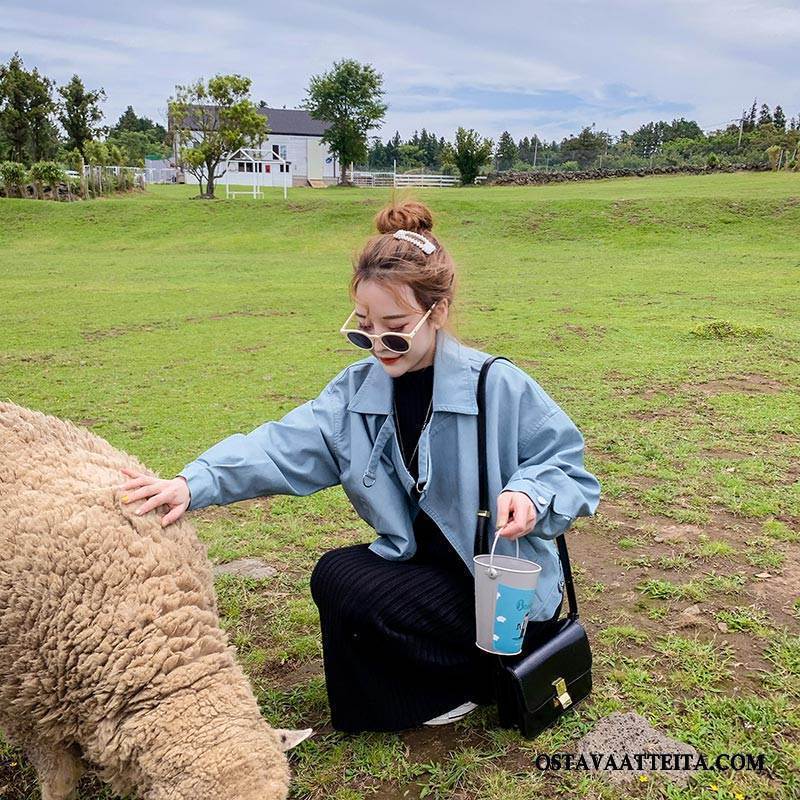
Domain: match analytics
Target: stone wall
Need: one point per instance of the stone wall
(525, 178)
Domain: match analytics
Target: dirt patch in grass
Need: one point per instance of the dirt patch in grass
(787, 204)
(584, 332)
(157, 325)
(270, 312)
(278, 397)
(28, 358)
(609, 580)
(287, 676)
(752, 383)
(122, 330)
(657, 413)
(302, 206)
(779, 592)
(722, 453)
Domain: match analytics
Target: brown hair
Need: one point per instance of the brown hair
(392, 262)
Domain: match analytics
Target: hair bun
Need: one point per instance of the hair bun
(409, 215)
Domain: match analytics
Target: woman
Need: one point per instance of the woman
(398, 431)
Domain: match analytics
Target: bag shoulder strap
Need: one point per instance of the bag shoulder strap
(481, 534)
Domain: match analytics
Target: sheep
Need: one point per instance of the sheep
(111, 653)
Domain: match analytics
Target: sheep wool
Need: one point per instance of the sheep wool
(111, 653)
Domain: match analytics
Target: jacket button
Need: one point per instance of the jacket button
(355, 635)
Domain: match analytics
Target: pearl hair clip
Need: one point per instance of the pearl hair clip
(426, 245)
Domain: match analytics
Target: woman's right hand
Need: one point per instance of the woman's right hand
(173, 493)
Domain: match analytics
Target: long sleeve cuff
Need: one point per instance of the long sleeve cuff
(201, 485)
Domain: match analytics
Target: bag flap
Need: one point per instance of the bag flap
(565, 654)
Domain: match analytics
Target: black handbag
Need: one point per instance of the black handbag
(554, 671)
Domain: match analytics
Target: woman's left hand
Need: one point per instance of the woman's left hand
(516, 514)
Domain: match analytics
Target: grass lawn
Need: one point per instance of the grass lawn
(661, 313)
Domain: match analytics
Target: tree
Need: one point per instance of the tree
(27, 132)
(47, 173)
(212, 122)
(779, 119)
(13, 176)
(138, 137)
(586, 147)
(764, 117)
(410, 157)
(430, 146)
(349, 98)
(393, 149)
(750, 119)
(80, 113)
(507, 152)
(470, 153)
(682, 129)
(647, 139)
(129, 122)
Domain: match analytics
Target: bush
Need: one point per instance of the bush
(774, 154)
(712, 160)
(12, 174)
(723, 329)
(47, 173)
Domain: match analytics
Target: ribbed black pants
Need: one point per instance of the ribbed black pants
(398, 637)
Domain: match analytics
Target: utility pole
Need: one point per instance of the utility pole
(741, 128)
(535, 148)
(605, 148)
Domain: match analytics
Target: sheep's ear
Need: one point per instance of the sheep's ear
(291, 738)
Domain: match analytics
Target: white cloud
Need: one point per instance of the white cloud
(617, 63)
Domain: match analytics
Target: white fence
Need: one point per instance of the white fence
(161, 175)
(103, 178)
(402, 179)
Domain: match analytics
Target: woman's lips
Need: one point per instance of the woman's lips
(389, 360)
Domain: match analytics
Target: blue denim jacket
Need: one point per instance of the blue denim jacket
(346, 436)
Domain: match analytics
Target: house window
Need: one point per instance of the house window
(249, 166)
(279, 151)
(241, 166)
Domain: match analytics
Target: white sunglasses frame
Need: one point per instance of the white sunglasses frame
(344, 330)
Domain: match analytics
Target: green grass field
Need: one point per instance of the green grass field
(662, 314)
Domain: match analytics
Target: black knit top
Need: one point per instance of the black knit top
(412, 395)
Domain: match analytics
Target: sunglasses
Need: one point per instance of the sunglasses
(396, 342)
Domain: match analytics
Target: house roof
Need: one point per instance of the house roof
(291, 121)
(295, 121)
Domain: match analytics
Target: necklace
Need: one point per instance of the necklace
(400, 435)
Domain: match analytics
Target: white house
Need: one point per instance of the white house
(294, 137)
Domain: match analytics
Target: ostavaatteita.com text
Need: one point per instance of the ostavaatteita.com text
(649, 761)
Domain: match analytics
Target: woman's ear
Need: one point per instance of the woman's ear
(440, 313)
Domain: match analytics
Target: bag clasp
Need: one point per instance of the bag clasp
(563, 699)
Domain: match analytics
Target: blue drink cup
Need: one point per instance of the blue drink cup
(504, 590)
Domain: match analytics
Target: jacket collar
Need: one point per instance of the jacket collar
(453, 384)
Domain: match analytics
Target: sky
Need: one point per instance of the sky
(548, 67)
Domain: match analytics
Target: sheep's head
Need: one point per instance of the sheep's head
(248, 766)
